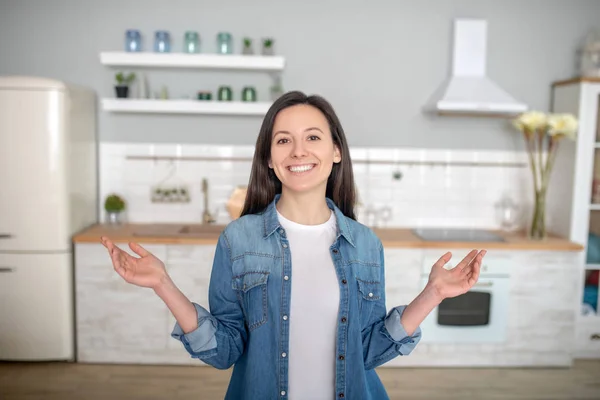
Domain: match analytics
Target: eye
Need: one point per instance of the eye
(314, 137)
(282, 141)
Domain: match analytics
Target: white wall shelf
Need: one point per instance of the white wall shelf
(184, 60)
(157, 106)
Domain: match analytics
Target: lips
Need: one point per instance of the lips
(301, 168)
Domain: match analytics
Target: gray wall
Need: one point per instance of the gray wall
(377, 62)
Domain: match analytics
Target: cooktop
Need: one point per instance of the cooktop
(457, 235)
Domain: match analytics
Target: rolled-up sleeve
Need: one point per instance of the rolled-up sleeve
(386, 338)
(220, 338)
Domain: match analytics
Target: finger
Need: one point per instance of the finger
(474, 275)
(467, 260)
(443, 260)
(139, 250)
(469, 267)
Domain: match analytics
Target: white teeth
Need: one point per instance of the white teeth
(301, 168)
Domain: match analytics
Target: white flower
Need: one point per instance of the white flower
(530, 121)
(562, 125)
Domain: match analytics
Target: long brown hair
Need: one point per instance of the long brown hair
(264, 184)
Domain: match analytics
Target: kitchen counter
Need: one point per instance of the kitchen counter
(390, 237)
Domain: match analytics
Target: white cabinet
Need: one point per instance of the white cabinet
(36, 306)
(574, 201)
(402, 274)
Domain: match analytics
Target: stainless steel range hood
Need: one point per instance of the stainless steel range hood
(469, 90)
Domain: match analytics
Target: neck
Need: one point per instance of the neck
(304, 208)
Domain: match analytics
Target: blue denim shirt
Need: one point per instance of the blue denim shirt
(249, 296)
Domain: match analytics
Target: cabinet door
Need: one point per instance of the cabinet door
(190, 267)
(116, 321)
(402, 273)
(36, 307)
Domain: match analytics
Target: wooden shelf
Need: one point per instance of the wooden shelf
(185, 106)
(184, 60)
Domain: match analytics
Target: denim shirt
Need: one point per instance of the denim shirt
(249, 296)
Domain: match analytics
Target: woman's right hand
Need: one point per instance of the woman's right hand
(146, 271)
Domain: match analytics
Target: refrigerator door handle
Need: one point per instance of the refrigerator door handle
(5, 236)
(6, 269)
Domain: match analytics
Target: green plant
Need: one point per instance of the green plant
(268, 42)
(114, 203)
(247, 42)
(123, 79)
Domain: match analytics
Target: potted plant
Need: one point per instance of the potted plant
(123, 81)
(114, 206)
(247, 49)
(267, 49)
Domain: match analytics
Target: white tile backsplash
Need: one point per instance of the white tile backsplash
(440, 195)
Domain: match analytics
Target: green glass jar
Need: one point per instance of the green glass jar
(248, 94)
(225, 93)
(191, 42)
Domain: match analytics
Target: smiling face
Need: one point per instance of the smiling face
(302, 150)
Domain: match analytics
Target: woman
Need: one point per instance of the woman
(297, 299)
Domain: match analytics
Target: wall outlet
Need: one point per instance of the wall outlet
(170, 194)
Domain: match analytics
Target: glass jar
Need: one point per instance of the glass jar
(248, 94)
(162, 42)
(225, 93)
(224, 43)
(133, 40)
(191, 42)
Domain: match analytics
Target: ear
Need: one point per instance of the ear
(337, 155)
(270, 164)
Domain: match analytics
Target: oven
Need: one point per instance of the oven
(477, 316)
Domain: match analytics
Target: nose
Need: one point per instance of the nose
(298, 149)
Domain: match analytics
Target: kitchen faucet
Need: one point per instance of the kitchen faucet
(207, 217)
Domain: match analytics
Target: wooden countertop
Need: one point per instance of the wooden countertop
(391, 237)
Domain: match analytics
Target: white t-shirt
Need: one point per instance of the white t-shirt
(314, 305)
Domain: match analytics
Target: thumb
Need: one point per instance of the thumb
(139, 250)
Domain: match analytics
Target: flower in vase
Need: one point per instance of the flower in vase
(530, 121)
(542, 133)
(562, 125)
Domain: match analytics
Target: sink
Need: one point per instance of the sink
(178, 230)
(457, 235)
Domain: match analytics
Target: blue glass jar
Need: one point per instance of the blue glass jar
(224, 43)
(162, 42)
(133, 40)
(191, 42)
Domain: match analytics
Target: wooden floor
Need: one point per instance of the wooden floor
(66, 381)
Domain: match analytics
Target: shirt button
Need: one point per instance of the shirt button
(370, 294)
(284, 246)
(281, 231)
(341, 357)
(344, 281)
(344, 319)
(335, 251)
(286, 277)
(283, 392)
(285, 317)
(283, 355)
(341, 395)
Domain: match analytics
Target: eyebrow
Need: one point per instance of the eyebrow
(312, 128)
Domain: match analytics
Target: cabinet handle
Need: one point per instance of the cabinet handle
(5, 236)
(595, 336)
(487, 284)
(6, 269)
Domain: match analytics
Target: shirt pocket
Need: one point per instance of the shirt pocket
(251, 289)
(369, 292)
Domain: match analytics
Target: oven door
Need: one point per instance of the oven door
(478, 316)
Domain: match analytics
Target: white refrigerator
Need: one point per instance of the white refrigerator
(48, 192)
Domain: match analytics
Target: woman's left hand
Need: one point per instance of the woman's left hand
(458, 280)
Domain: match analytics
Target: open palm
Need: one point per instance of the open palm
(458, 280)
(146, 271)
